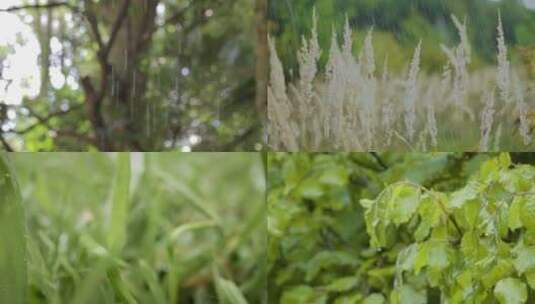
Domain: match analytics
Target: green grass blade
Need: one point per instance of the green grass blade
(190, 227)
(12, 239)
(120, 198)
(228, 292)
(148, 274)
(193, 198)
(85, 293)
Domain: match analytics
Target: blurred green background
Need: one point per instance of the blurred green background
(399, 25)
(143, 228)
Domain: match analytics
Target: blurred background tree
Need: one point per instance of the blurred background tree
(135, 75)
(399, 24)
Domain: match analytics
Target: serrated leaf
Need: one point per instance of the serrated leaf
(404, 202)
(514, 219)
(396, 205)
(429, 211)
(501, 270)
(524, 258)
(469, 192)
(527, 214)
(471, 247)
(471, 210)
(438, 255)
(490, 170)
(407, 257)
(422, 231)
(420, 261)
(511, 291)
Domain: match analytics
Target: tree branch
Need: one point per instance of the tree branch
(92, 19)
(44, 120)
(78, 136)
(379, 160)
(5, 144)
(123, 12)
(39, 6)
(93, 102)
(240, 138)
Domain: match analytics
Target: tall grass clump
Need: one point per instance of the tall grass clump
(351, 106)
(162, 228)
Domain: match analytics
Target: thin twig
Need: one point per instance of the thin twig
(379, 160)
(39, 6)
(5, 144)
(42, 120)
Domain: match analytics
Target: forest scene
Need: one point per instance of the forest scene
(132, 75)
(407, 228)
(401, 75)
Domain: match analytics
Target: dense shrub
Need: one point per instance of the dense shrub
(401, 228)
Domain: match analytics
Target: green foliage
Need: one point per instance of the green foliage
(407, 21)
(401, 228)
(12, 239)
(119, 209)
(141, 228)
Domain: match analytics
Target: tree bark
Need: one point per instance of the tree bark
(262, 56)
(44, 35)
(118, 107)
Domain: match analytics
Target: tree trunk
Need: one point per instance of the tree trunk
(119, 109)
(262, 56)
(44, 35)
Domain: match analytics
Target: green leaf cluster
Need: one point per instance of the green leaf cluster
(401, 228)
(473, 245)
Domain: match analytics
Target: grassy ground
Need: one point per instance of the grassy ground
(143, 228)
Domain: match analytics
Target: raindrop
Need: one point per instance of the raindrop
(147, 127)
(125, 60)
(134, 86)
(112, 83)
